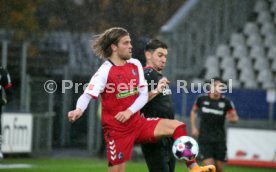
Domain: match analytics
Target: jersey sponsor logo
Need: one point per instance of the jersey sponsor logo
(213, 111)
(166, 91)
(127, 93)
(221, 104)
(206, 103)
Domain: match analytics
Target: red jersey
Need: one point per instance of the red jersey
(118, 87)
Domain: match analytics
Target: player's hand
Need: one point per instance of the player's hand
(123, 116)
(74, 115)
(195, 132)
(162, 83)
(232, 117)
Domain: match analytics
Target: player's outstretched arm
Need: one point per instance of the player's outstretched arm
(82, 104)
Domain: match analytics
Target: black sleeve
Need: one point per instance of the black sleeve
(8, 94)
(152, 78)
(6, 84)
(198, 101)
(5, 79)
(229, 105)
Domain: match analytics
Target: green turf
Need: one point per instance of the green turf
(92, 165)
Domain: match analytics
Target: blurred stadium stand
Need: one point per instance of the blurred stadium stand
(198, 30)
(55, 56)
(210, 39)
(207, 38)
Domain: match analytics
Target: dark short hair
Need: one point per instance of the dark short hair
(215, 79)
(153, 44)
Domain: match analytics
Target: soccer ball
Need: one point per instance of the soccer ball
(185, 148)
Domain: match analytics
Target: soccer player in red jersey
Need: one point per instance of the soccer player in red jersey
(120, 82)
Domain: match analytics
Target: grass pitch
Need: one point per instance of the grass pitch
(91, 165)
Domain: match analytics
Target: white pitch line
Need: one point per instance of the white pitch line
(12, 166)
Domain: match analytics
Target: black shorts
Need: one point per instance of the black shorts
(158, 156)
(215, 150)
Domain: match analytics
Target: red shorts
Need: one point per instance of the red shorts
(120, 144)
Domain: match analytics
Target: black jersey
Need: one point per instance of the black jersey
(5, 84)
(212, 113)
(161, 105)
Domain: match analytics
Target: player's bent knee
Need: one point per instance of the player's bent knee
(163, 128)
(166, 127)
(178, 123)
(172, 123)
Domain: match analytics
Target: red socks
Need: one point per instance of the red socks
(180, 131)
(191, 164)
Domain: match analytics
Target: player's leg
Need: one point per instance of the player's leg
(208, 161)
(171, 163)
(220, 155)
(168, 127)
(171, 156)
(176, 129)
(118, 150)
(117, 168)
(219, 165)
(1, 136)
(207, 152)
(157, 156)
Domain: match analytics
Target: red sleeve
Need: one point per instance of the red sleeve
(195, 106)
(231, 110)
(7, 86)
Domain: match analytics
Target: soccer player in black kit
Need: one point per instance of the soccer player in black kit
(159, 157)
(5, 92)
(213, 109)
